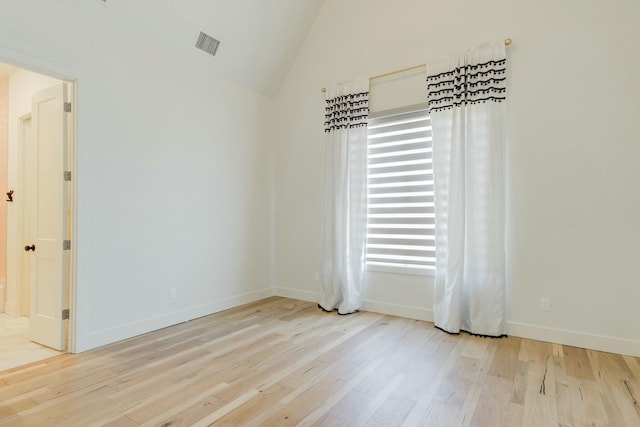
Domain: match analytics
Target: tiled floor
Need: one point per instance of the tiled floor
(15, 347)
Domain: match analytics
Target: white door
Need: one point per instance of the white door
(48, 225)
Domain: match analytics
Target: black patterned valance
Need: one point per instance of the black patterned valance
(467, 84)
(346, 111)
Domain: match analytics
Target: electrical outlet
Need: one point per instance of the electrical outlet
(173, 292)
(316, 277)
(545, 304)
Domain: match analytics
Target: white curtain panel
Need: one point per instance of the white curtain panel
(345, 209)
(467, 106)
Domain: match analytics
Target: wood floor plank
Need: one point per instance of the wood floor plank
(520, 382)
(441, 415)
(516, 415)
(563, 388)
(304, 374)
(587, 404)
(427, 410)
(123, 421)
(540, 376)
(430, 365)
(577, 363)
(480, 378)
(376, 404)
(10, 409)
(266, 401)
(539, 410)
(304, 404)
(455, 387)
(505, 361)
(159, 414)
(494, 403)
(634, 365)
(285, 362)
(339, 393)
(204, 404)
(392, 412)
(618, 387)
(344, 412)
(399, 352)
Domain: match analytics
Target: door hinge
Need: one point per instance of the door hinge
(66, 245)
(65, 314)
(67, 107)
(67, 175)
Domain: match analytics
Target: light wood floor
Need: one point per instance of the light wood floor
(282, 362)
(15, 347)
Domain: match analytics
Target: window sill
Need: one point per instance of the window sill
(400, 270)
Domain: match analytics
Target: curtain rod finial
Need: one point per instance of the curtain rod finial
(507, 42)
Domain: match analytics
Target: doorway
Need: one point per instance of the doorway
(39, 217)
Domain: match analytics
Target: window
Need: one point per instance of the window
(401, 219)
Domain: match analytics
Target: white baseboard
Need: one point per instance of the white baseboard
(407, 311)
(139, 327)
(522, 330)
(410, 312)
(575, 339)
(297, 294)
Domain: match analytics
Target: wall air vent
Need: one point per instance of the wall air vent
(207, 44)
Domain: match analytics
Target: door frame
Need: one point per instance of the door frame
(71, 77)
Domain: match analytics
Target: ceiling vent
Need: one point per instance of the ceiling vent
(207, 44)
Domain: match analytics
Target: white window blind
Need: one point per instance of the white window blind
(401, 220)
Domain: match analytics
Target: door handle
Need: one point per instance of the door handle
(30, 248)
(10, 196)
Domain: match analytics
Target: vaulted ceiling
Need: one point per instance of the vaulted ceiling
(259, 38)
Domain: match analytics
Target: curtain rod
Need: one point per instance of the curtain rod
(507, 42)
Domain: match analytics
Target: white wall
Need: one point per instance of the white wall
(175, 161)
(574, 203)
(174, 175)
